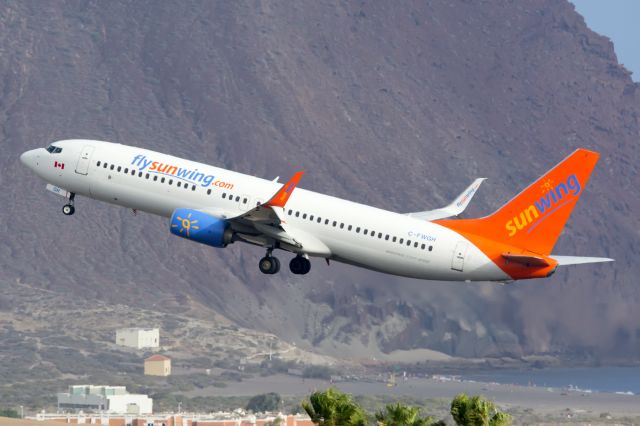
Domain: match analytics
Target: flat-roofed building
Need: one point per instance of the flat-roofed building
(138, 338)
(111, 399)
(157, 365)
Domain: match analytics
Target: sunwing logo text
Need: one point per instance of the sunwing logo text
(188, 175)
(553, 198)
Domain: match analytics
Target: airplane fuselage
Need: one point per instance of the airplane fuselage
(346, 231)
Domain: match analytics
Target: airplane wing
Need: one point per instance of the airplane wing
(455, 208)
(268, 222)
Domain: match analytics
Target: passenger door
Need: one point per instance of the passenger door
(82, 167)
(457, 261)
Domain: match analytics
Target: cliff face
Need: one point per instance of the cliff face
(395, 105)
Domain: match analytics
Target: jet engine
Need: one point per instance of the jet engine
(201, 227)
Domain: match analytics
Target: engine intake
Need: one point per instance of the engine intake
(201, 227)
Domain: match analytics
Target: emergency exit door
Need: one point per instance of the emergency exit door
(83, 162)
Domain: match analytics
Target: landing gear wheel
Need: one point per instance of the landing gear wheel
(269, 265)
(68, 209)
(300, 265)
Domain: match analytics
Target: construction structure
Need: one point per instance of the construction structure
(108, 399)
(157, 365)
(138, 338)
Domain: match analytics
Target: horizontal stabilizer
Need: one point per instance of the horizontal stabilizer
(526, 260)
(578, 260)
(455, 208)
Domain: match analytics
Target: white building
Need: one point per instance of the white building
(138, 338)
(110, 399)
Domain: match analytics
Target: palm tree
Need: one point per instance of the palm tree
(334, 408)
(477, 411)
(402, 415)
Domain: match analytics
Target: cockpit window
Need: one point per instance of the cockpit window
(54, 149)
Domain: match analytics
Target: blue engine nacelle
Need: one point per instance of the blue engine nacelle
(201, 227)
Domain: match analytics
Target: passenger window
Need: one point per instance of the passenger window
(415, 245)
(335, 223)
(393, 239)
(379, 234)
(245, 201)
(105, 165)
(162, 180)
(326, 221)
(365, 232)
(408, 242)
(304, 216)
(119, 168)
(237, 196)
(341, 225)
(112, 167)
(133, 172)
(311, 218)
(297, 214)
(401, 240)
(290, 212)
(155, 178)
(98, 164)
(423, 246)
(358, 230)
(126, 170)
(178, 184)
(430, 248)
(373, 234)
(147, 176)
(349, 228)
(139, 174)
(386, 237)
(209, 191)
(193, 188)
(170, 181)
(224, 195)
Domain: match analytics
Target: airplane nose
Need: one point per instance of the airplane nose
(24, 158)
(29, 158)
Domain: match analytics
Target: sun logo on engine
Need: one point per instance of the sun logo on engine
(186, 224)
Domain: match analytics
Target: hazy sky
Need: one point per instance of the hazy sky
(620, 21)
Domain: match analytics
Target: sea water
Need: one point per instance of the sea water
(600, 379)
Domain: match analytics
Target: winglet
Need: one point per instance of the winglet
(282, 196)
(455, 208)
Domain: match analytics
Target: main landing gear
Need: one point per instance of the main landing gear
(300, 265)
(69, 209)
(271, 265)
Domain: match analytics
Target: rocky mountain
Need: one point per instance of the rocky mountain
(399, 105)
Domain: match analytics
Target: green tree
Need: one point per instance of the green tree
(334, 408)
(9, 412)
(265, 402)
(477, 411)
(402, 415)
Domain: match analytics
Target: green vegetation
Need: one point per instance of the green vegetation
(334, 408)
(403, 415)
(9, 412)
(477, 411)
(265, 402)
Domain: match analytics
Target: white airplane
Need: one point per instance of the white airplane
(217, 207)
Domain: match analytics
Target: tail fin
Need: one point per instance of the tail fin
(533, 219)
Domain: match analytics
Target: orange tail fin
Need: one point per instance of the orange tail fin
(533, 219)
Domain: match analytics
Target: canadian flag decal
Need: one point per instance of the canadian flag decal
(58, 165)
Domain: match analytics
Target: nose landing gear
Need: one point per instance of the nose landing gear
(69, 209)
